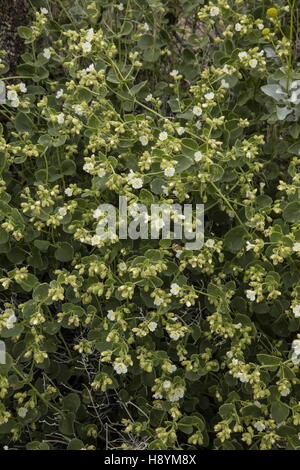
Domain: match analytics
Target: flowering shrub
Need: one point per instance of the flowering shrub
(142, 344)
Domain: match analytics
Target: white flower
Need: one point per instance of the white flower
(224, 83)
(250, 294)
(96, 240)
(120, 7)
(296, 346)
(144, 140)
(12, 95)
(59, 93)
(136, 183)
(296, 247)
(174, 335)
(78, 109)
(176, 394)
(238, 27)
(149, 97)
(180, 130)
(214, 11)
(259, 426)
(152, 325)
(157, 396)
(296, 311)
(253, 63)
(15, 103)
(120, 368)
(243, 55)
(167, 384)
(169, 171)
(197, 110)
(242, 377)
(11, 321)
(90, 35)
(44, 11)
(22, 412)
(163, 136)
(69, 192)
(174, 73)
(23, 87)
(47, 53)
(249, 246)
(62, 211)
(175, 289)
(61, 118)
(260, 26)
(209, 96)
(285, 393)
(198, 124)
(86, 47)
(97, 213)
(172, 368)
(197, 156)
(146, 27)
(210, 243)
(158, 301)
(122, 266)
(101, 172)
(111, 315)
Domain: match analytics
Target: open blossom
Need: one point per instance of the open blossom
(59, 93)
(69, 192)
(169, 171)
(11, 321)
(253, 63)
(149, 97)
(78, 109)
(61, 118)
(23, 87)
(152, 325)
(180, 130)
(86, 47)
(136, 183)
(250, 294)
(296, 247)
(44, 11)
(174, 73)
(238, 27)
(120, 368)
(296, 311)
(90, 35)
(22, 412)
(214, 11)
(163, 136)
(243, 55)
(144, 140)
(259, 426)
(197, 110)
(47, 53)
(12, 95)
(176, 394)
(62, 211)
(209, 96)
(210, 243)
(197, 156)
(175, 289)
(101, 172)
(111, 315)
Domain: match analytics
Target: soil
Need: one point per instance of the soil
(13, 13)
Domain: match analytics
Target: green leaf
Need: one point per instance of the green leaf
(23, 123)
(64, 253)
(279, 411)
(291, 212)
